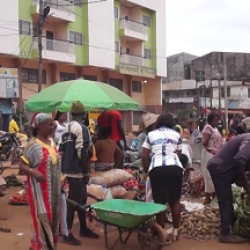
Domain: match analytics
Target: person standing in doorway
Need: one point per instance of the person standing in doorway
(74, 146)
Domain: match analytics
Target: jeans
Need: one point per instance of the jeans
(63, 215)
(222, 184)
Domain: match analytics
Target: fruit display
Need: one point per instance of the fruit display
(20, 198)
(195, 188)
(12, 181)
(201, 225)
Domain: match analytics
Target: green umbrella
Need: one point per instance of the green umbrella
(91, 94)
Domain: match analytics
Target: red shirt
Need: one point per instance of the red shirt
(111, 119)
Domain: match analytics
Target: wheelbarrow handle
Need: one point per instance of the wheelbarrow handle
(75, 204)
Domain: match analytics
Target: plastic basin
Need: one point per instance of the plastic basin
(126, 213)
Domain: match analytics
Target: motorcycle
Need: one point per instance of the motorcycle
(10, 149)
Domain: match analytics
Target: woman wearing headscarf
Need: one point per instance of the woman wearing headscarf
(41, 162)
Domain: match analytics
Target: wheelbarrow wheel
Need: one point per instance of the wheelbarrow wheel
(159, 236)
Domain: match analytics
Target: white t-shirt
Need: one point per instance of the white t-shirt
(187, 150)
(164, 144)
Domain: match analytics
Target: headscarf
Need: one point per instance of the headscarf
(40, 118)
(180, 128)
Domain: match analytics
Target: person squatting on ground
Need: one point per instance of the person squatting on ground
(75, 165)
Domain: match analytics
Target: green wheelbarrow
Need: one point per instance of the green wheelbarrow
(130, 216)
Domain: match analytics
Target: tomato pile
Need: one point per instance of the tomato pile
(131, 184)
(18, 199)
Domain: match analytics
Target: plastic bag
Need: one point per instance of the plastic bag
(107, 195)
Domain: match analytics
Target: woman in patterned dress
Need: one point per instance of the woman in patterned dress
(212, 142)
(41, 162)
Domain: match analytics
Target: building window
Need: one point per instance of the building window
(147, 53)
(78, 3)
(24, 28)
(200, 76)
(117, 83)
(67, 76)
(228, 92)
(76, 38)
(116, 12)
(31, 76)
(146, 20)
(117, 47)
(136, 86)
(90, 78)
(136, 117)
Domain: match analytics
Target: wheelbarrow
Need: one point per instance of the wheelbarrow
(128, 217)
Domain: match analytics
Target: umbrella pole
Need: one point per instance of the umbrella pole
(68, 121)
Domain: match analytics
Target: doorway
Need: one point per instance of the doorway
(49, 40)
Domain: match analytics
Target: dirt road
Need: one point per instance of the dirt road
(19, 221)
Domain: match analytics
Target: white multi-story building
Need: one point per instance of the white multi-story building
(120, 42)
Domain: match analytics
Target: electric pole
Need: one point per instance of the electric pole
(225, 88)
(43, 13)
(40, 45)
(219, 91)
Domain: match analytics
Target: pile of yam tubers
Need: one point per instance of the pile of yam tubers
(201, 225)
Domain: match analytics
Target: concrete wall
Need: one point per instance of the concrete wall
(101, 34)
(238, 65)
(176, 66)
(9, 27)
(159, 7)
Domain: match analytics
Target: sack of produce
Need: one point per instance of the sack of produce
(118, 191)
(95, 190)
(110, 178)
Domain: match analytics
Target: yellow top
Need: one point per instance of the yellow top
(51, 149)
(13, 128)
(92, 126)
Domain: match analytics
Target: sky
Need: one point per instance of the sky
(202, 26)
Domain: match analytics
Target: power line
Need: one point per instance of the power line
(80, 5)
(27, 55)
